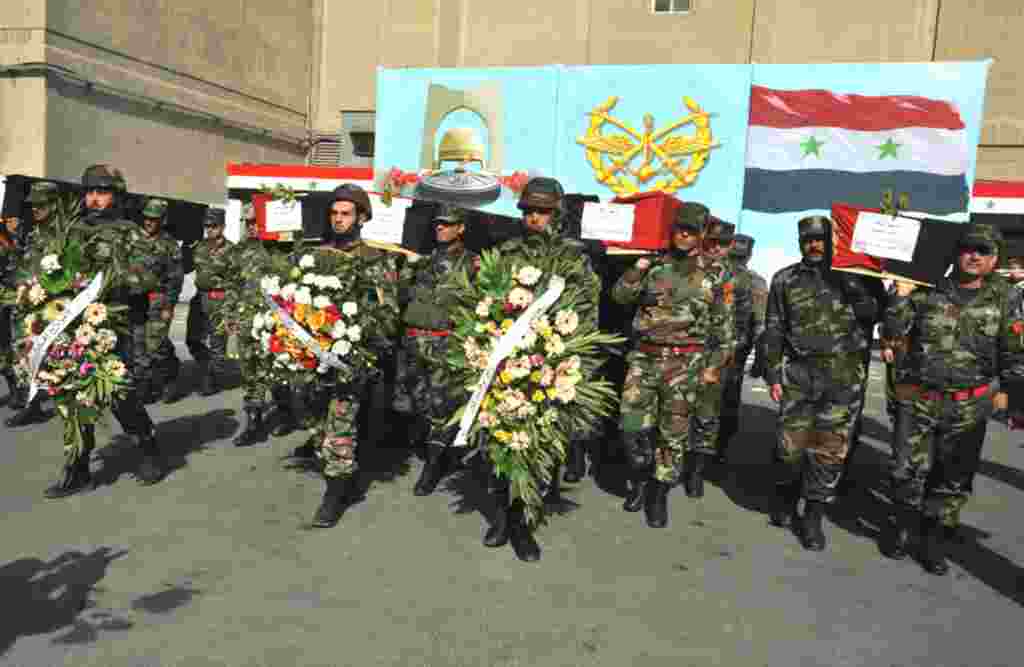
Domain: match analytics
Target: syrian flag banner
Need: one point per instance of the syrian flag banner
(809, 148)
(867, 241)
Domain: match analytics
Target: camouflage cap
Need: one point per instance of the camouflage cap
(449, 215)
(980, 234)
(744, 247)
(155, 208)
(43, 192)
(214, 217)
(103, 177)
(248, 212)
(814, 227)
(692, 215)
(541, 192)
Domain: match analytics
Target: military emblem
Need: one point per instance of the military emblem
(679, 157)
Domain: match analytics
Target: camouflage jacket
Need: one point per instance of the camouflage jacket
(382, 270)
(819, 313)
(425, 304)
(26, 264)
(544, 250)
(109, 240)
(682, 301)
(957, 343)
(216, 268)
(758, 304)
(167, 264)
(10, 251)
(252, 258)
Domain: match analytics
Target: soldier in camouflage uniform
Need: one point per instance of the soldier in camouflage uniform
(216, 272)
(748, 331)
(106, 236)
(10, 249)
(684, 333)
(963, 335)
(337, 448)
(42, 197)
(424, 388)
(253, 261)
(158, 363)
(815, 322)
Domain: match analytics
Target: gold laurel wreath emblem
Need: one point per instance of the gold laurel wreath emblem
(682, 156)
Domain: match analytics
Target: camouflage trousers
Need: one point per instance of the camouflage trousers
(158, 363)
(339, 439)
(944, 439)
(820, 401)
(423, 386)
(205, 342)
(726, 423)
(6, 339)
(664, 397)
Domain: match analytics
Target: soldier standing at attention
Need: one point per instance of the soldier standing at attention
(684, 335)
(963, 335)
(815, 322)
(10, 249)
(159, 365)
(748, 331)
(423, 378)
(216, 272)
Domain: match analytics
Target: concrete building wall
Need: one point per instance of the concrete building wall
(22, 125)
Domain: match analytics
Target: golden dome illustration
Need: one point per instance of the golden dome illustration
(460, 144)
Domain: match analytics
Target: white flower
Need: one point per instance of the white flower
(528, 275)
(257, 322)
(555, 345)
(520, 298)
(303, 296)
(355, 333)
(566, 322)
(341, 348)
(321, 302)
(271, 285)
(483, 309)
(310, 279)
(288, 291)
(85, 333)
(332, 282)
(540, 323)
(566, 394)
(529, 340)
(95, 313)
(36, 295)
(50, 263)
(307, 262)
(349, 308)
(520, 441)
(339, 330)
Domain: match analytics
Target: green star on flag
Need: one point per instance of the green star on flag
(812, 145)
(888, 149)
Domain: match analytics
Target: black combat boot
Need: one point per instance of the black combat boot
(656, 503)
(521, 534)
(255, 431)
(694, 480)
(208, 383)
(19, 398)
(576, 462)
(788, 496)
(13, 390)
(287, 422)
(811, 533)
(554, 493)
(76, 476)
(896, 536)
(306, 450)
(30, 414)
(146, 391)
(433, 470)
(153, 468)
(497, 533)
(637, 487)
(933, 546)
(337, 495)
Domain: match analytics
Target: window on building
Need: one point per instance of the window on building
(671, 6)
(326, 151)
(362, 143)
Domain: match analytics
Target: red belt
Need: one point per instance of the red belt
(647, 348)
(155, 296)
(961, 395)
(412, 332)
(215, 294)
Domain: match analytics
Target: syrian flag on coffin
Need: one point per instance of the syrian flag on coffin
(865, 240)
(809, 148)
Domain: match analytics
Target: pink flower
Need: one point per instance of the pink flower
(86, 368)
(536, 360)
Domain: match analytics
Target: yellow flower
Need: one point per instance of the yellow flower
(536, 376)
(503, 436)
(506, 377)
(547, 332)
(506, 324)
(552, 392)
(487, 403)
(492, 327)
(538, 396)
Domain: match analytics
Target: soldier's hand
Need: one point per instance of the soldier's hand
(776, 392)
(166, 314)
(888, 355)
(904, 288)
(642, 264)
(711, 375)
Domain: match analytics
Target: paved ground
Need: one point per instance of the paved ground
(214, 566)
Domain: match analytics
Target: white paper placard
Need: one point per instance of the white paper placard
(885, 236)
(605, 221)
(283, 216)
(388, 221)
(233, 229)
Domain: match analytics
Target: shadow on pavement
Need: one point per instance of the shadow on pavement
(177, 438)
(43, 597)
(747, 476)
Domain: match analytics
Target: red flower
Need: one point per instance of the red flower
(1017, 327)
(333, 314)
(37, 327)
(509, 307)
(275, 345)
(309, 363)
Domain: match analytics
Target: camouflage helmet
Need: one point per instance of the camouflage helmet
(719, 229)
(449, 215)
(214, 217)
(983, 235)
(43, 192)
(542, 192)
(814, 227)
(154, 209)
(351, 192)
(744, 247)
(692, 215)
(103, 177)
